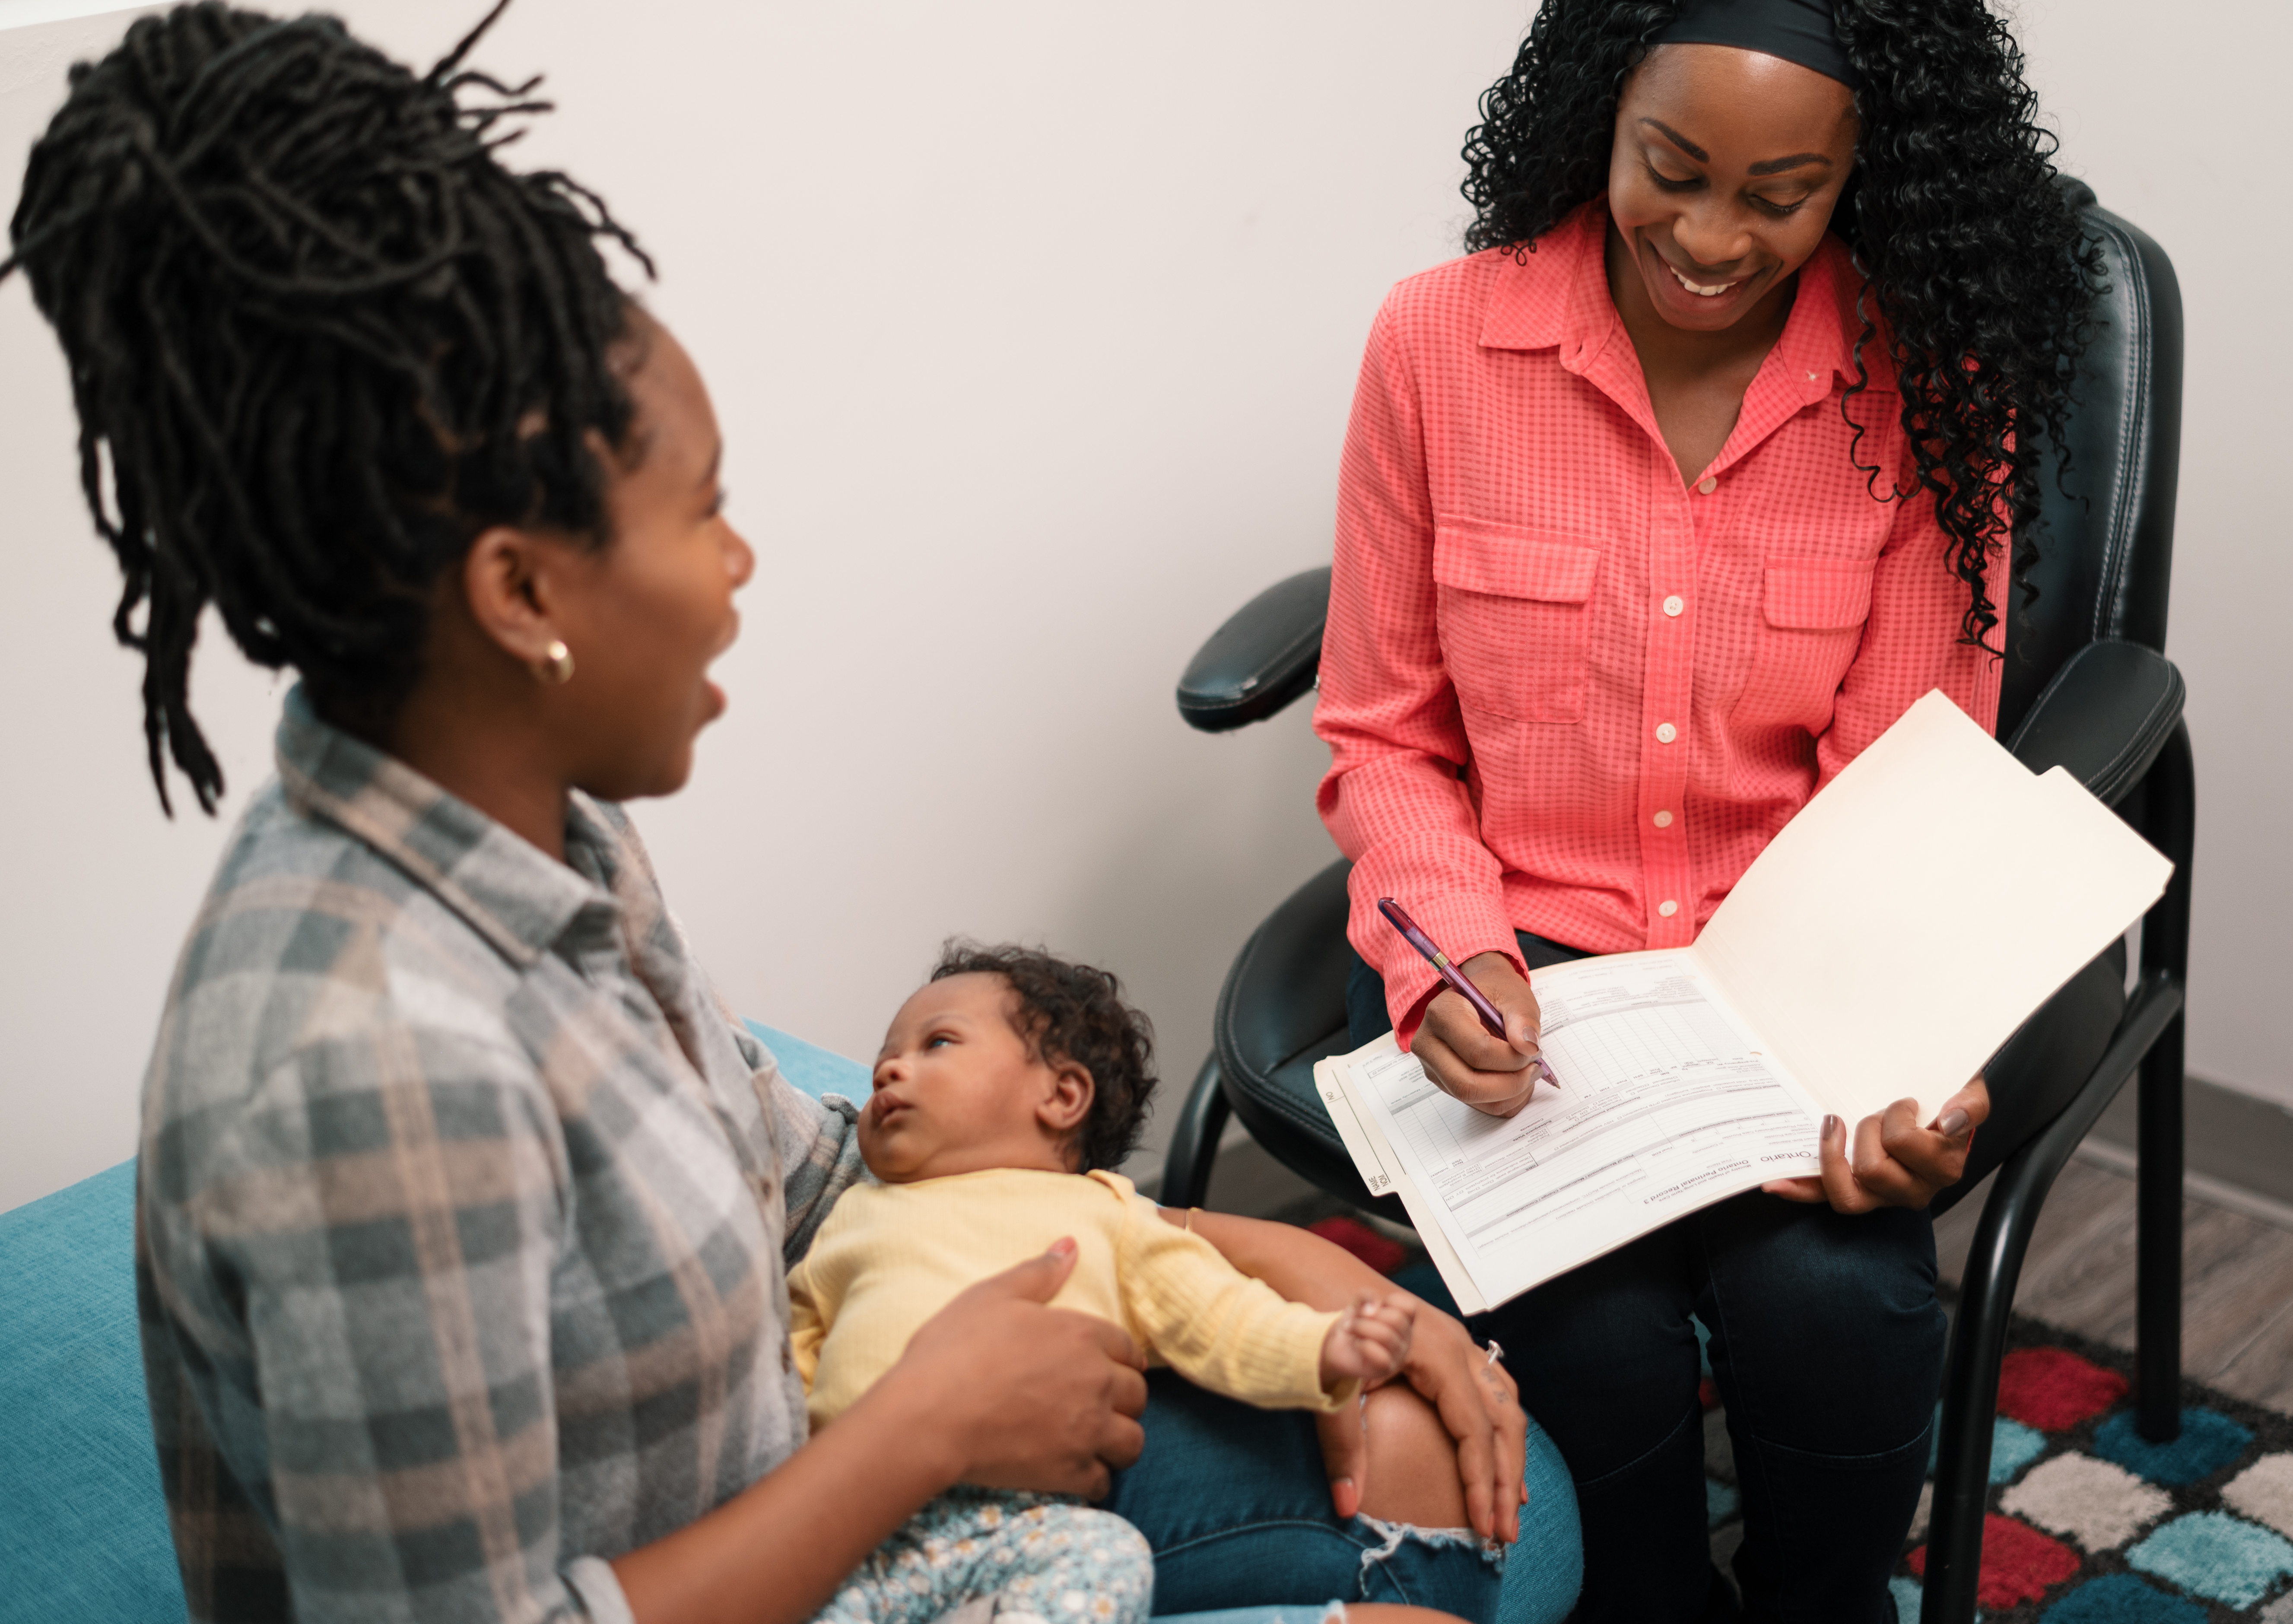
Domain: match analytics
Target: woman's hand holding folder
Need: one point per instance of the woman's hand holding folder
(1893, 1160)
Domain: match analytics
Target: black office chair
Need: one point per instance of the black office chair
(2086, 686)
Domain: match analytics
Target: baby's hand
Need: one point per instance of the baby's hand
(1370, 1340)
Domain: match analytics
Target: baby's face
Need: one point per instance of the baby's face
(958, 1089)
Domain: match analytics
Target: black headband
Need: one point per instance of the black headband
(1799, 31)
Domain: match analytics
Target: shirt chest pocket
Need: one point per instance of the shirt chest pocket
(1514, 618)
(1812, 617)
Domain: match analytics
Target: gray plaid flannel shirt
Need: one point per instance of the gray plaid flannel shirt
(462, 1213)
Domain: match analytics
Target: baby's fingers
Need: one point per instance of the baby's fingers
(1390, 1340)
(1399, 1316)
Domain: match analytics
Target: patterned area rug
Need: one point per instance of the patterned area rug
(2087, 1523)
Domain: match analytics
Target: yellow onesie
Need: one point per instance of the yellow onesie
(892, 1255)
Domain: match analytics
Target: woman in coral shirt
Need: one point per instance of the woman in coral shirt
(1654, 512)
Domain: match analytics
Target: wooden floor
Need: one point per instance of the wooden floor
(2237, 1279)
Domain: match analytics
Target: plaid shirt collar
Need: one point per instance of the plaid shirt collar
(513, 894)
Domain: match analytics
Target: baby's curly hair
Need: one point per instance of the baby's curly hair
(1074, 1012)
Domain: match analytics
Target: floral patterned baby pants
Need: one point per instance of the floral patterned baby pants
(1041, 1557)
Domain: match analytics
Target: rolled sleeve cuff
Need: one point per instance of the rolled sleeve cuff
(1462, 927)
(1296, 1381)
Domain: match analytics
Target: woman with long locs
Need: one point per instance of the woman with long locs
(463, 1211)
(1717, 451)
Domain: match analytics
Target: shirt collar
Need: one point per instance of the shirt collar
(517, 896)
(1557, 297)
(1818, 341)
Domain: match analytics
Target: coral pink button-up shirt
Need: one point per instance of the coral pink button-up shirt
(1565, 693)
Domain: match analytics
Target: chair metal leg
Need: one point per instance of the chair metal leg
(1978, 1340)
(1195, 1140)
(2169, 821)
(1970, 1393)
(2158, 1243)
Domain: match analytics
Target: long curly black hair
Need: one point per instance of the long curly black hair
(319, 338)
(1978, 273)
(1076, 1013)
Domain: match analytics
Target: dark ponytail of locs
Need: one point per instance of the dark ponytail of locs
(319, 338)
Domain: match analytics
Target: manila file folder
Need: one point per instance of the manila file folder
(1917, 911)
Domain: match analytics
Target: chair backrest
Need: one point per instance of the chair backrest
(2106, 540)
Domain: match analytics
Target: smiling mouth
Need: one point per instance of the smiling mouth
(1698, 289)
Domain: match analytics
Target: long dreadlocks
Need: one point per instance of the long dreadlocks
(319, 338)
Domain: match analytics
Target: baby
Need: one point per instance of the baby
(1007, 1090)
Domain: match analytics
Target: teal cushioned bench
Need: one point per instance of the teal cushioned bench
(83, 1531)
(814, 1070)
(83, 1528)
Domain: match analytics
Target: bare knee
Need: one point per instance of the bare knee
(1391, 1612)
(1411, 1472)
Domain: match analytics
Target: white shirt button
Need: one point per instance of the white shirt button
(1662, 820)
(1708, 484)
(1665, 732)
(1667, 908)
(1674, 604)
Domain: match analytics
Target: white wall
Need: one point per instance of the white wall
(1032, 326)
(2171, 125)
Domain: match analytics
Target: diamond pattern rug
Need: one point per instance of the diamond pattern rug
(2089, 1523)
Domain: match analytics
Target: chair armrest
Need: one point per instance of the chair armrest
(2105, 716)
(1265, 656)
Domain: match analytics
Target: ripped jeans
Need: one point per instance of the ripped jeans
(1236, 1505)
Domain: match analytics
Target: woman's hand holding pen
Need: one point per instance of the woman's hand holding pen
(1889, 1159)
(1490, 1074)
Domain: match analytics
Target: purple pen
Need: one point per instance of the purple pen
(1455, 977)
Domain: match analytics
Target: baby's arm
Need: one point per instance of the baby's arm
(1224, 1331)
(1370, 1342)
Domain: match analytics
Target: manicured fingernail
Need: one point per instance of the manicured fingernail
(1062, 1248)
(1833, 1127)
(1953, 1124)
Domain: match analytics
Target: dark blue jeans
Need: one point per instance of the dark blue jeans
(1826, 1347)
(1235, 1502)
